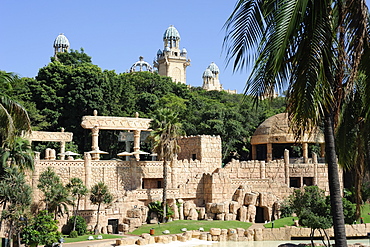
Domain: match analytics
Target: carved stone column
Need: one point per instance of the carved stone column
(254, 152)
(181, 202)
(269, 152)
(286, 166)
(95, 141)
(305, 152)
(137, 143)
(62, 147)
(35, 177)
(87, 163)
(314, 160)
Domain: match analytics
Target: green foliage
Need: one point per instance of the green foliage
(80, 222)
(73, 234)
(41, 229)
(56, 196)
(157, 208)
(100, 194)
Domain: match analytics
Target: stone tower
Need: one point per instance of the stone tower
(210, 78)
(61, 44)
(172, 61)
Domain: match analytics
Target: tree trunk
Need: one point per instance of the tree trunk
(164, 201)
(97, 230)
(334, 184)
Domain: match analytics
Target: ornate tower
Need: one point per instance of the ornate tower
(61, 44)
(172, 61)
(210, 78)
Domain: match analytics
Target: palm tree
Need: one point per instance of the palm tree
(13, 117)
(100, 194)
(78, 190)
(354, 134)
(310, 46)
(166, 130)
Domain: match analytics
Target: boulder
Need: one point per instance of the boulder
(251, 216)
(250, 198)
(233, 207)
(193, 214)
(215, 231)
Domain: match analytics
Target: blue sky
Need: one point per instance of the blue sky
(115, 33)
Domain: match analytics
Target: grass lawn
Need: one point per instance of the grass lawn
(176, 226)
(287, 221)
(84, 238)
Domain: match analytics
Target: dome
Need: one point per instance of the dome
(276, 129)
(207, 73)
(61, 41)
(214, 68)
(141, 64)
(167, 49)
(171, 33)
(159, 52)
(184, 51)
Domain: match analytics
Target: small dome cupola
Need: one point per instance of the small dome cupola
(207, 73)
(184, 52)
(159, 52)
(61, 44)
(214, 68)
(142, 65)
(171, 37)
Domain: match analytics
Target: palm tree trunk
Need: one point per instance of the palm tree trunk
(75, 214)
(334, 184)
(97, 230)
(164, 202)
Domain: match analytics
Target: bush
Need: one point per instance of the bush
(73, 234)
(80, 225)
(156, 207)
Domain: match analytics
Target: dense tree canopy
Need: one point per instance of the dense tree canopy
(71, 87)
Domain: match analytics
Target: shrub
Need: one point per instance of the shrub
(80, 225)
(73, 234)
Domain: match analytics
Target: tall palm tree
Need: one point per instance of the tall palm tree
(312, 47)
(78, 190)
(166, 130)
(100, 194)
(354, 134)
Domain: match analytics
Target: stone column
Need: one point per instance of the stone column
(137, 143)
(62, 150)
(286, 166)
(254, 152)
(262, 169)
(314, 160)
(305, 152)
(269, 152)
(181, 202)
(95, 141)
(47, 153)
(87, 163)
(35, 177)
(62, 147)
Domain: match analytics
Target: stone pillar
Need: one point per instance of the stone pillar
(62, 150)
(62, 147)
(35, 177)
(137, 143)
(305, 152)
(254, 152)
(315, 171)
(269, 152)
(52, 155)
(322, 150)
(262, 169)
(87, 163)
(286, 166)
(47, 153)
(95, 142)
(181, 202)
